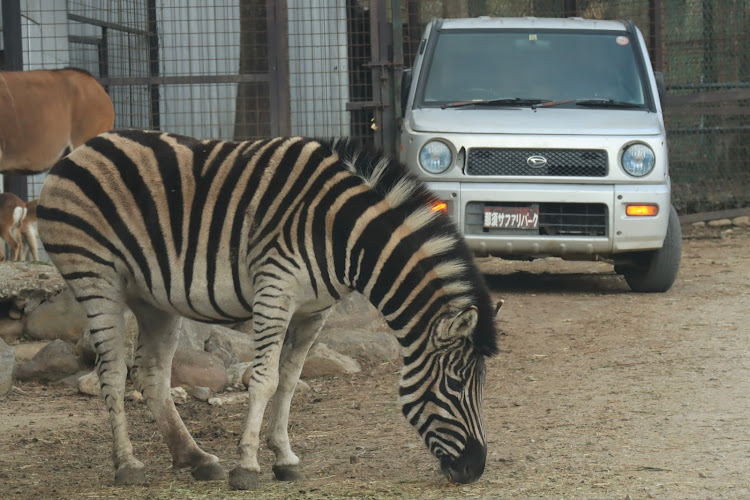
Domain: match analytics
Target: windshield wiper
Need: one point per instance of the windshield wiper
(506, 101)
(606, 103)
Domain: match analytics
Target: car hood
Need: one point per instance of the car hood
(542, 121)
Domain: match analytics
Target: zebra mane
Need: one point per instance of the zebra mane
(391, 179)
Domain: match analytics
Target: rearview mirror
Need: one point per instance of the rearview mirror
(405, 87)
(661, 87)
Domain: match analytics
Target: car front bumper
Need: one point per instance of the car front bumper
(621, 233)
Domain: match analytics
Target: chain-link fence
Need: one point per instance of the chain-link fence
(238, 69)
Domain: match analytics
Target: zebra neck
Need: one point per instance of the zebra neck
(409, 304)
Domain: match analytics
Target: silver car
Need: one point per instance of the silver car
(545, 137)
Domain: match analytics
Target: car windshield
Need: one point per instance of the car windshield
(524, 68)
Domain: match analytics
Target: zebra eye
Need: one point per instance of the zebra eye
(455, 385)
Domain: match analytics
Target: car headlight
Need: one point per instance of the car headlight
(638, 160)
(435, 157)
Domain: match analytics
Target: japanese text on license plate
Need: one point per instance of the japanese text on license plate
(511, 217)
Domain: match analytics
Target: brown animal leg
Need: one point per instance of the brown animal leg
(7, 234)
(28, 235)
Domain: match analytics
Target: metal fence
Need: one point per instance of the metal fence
(239, 69)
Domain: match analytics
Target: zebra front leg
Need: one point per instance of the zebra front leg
(270, 320)
(299, 338)
(106, 326)
(152, 365)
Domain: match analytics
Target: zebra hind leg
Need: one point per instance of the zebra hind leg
(106, 326)
(152, 365)
(270, 320)
(300, 336)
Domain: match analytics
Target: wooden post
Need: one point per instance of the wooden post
(477, 8)
(13, 52)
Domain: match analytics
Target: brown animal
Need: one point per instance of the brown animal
(45, 114)
(12, 212)
(27, 230)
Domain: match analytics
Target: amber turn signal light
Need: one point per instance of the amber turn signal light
(439, 206)
(642, 210)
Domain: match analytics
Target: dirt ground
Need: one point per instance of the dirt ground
(598, 393)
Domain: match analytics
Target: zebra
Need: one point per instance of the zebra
(274, 232)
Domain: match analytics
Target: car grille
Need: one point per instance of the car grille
(560, 162)
(555, 219)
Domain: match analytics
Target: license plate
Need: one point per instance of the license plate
(511, 217)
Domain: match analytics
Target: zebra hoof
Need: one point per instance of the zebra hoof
(129, 476)
(243, 479)
(288, 473)
(209, 472)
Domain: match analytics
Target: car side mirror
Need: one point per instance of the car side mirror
(405, 87)
(661, 87)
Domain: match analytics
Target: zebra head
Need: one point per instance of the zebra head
(441, 393)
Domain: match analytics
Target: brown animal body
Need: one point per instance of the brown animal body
(45, 114)
(12, 212)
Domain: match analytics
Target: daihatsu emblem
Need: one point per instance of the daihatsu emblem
(536, 161)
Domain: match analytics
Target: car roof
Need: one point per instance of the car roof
(531, 22)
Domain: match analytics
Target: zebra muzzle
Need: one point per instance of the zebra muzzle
(468, 467)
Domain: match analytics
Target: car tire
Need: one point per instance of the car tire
(655, 271)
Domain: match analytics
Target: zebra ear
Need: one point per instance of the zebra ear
(463, 325)
(498, 306)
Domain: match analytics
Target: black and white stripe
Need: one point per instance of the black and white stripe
(274, 231)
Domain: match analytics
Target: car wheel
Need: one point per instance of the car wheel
(656, 270)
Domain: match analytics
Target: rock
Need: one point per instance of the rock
(325, 361)
(29, 302)
(222, 349)
(89, 384)
(742, 221)
(134, 396)
(194, 334)
(363, 345)
(54, 362)
(201, 393)
(32, 283)
(71, 381)
(15, 313)
(27, 350)
(353, 311)
(197, 368)
(61, 317)
(11, 329)
(719, 223)
(179, 395)
(238, 397)
(238, 343)
(302, 387)
(236, 373)
(224, 342)
(7, 367)
(699, 223)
